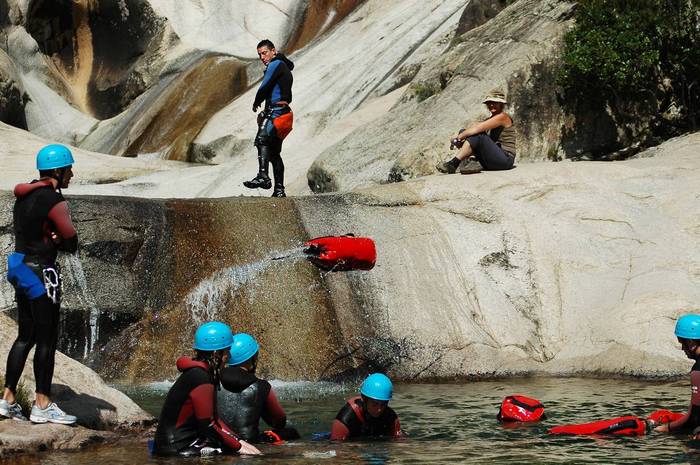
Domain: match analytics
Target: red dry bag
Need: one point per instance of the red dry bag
(520, 408)
(341, 253)
(661, 417)
(621, 426)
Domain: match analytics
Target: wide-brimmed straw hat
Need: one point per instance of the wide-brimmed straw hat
(496, 96)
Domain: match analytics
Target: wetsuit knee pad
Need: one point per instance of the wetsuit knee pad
(23, 278)
(266, 135)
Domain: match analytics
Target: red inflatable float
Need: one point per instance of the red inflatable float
(520, 408)
(664, 416)
(621, 426)
(341, 253)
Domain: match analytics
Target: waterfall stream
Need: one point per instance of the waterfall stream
(74, 269)
(208, 296)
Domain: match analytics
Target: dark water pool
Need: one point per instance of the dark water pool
(450, 424)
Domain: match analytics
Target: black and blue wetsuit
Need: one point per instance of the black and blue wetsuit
(275, 121)
(276, 85)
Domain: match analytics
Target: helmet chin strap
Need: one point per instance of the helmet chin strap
(60, 175)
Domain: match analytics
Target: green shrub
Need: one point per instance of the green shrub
(422, 91)
(644, 52)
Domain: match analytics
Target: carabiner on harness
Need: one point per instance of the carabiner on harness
(52, 283)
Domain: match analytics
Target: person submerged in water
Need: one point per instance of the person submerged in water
(252, 398)
(368, 415)
(189, 425)
(688, 334)
(488, 145)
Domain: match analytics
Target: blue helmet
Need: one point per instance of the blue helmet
(688, 327)
(377, 386)
(244, 347)
(212, 336)
(54, 156)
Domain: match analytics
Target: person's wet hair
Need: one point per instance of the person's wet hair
(266, 43)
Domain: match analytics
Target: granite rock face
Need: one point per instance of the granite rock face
(27, 438)
(564, 268)
(78, 390)
(557, 268)
(13, 98)
(515, 51)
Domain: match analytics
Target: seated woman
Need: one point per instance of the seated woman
(189, 424)
(491, 142)
(368, 415)
(252, 398)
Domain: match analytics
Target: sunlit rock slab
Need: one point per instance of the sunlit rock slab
(566, 268)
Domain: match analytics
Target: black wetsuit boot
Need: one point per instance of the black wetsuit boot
(278, 171)
(262, 180)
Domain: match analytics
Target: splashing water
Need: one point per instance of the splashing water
(205, 300)
(74, 269)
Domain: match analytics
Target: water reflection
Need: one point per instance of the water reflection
(451, 424)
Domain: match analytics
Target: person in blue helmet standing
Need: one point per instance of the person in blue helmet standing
(688, 334)
(42, 227)
(368, 415)
(189, 425)
(252, 398)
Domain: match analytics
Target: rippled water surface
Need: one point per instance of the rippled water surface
(449, 423)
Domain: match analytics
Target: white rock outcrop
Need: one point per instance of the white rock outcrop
(561, 268)
(91, 169)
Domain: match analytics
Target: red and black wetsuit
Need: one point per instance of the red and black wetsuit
(353, 422)
(188, 421)
(40, 210)
(690, 422)
(39, 213)
(250, 399)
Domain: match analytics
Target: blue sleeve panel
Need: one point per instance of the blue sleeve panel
(23, 278)
(276, 85)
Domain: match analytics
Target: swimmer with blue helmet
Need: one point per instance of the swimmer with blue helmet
(189, 425)
(368, 415)
(688, 334)
(252, 398)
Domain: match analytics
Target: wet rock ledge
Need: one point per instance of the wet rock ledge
(101, 410)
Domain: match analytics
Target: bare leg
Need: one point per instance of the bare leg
(465, 151)
(9, 396)
(42, 400)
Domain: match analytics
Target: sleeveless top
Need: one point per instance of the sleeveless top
(505, 137)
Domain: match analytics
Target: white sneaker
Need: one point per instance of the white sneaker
(13, 411)
(51, 414)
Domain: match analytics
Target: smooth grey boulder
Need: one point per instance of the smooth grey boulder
(26, 438)
(78, 390)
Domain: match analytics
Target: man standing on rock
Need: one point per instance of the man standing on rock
(42, 227)
(275, 121)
